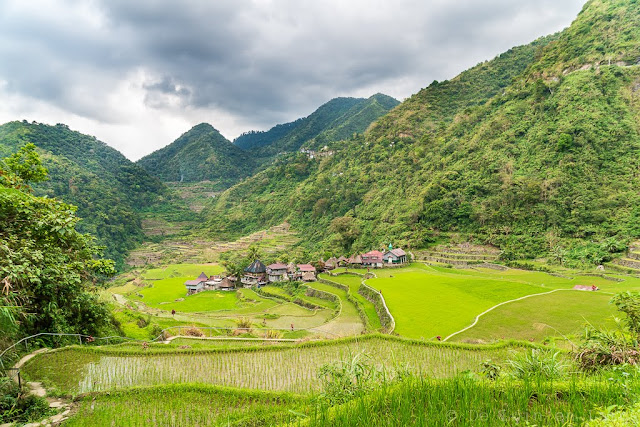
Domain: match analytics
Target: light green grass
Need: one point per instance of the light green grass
(560, 313)
(164, 293)
(188, 271)
(427, 301)
(348, 322)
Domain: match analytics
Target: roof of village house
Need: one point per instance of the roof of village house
(342, 259)
(331, 262)
(201, 278)
(291, 268)
(398, 252)
(226, 283)
(306, 268)
(373, 255)
(277, 266)
(256, 267)
(308, 276)
(355, 259)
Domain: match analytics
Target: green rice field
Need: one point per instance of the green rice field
(427, 301)
(278, 368)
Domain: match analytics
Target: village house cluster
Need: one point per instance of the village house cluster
(258, 274)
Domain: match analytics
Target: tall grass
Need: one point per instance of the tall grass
(467, 402)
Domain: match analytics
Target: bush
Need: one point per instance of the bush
(15, 406)
(537, 364)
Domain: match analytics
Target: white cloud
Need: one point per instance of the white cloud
(138, 74)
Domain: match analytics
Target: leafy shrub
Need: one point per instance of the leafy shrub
(18, 407)
(243, 323)
(603, 348)
(356, 376)
(273, 334)
(537, 364)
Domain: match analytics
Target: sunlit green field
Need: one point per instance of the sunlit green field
(557, 314)
(428, 301)
(354, 282)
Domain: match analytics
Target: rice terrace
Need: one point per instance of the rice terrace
(463, 251)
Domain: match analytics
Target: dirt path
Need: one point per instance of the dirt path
(63, 406)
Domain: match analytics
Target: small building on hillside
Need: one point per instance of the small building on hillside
(277, 272)
(255, 274)
(227, 284)
(342, 261)
(306, 272)
(196, 285)
(395, 256)
(331, 263)
(372, 259)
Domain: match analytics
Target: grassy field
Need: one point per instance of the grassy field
(559, 313)
(427, 301)
(277, 368)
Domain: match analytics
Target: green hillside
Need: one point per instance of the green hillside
(201, 154)
(338, 119)
(108, 189)
(516, 152)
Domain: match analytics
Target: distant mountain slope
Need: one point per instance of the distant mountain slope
(338, 119)
(107, 188)
(201, 154)
(528, 151)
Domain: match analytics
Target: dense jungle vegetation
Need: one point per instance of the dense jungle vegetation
(531, 151)
(108, 189)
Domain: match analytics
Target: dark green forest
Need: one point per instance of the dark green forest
(336, 120)
(201, 154)
(108, 189)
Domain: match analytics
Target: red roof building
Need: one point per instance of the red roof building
(372, 259)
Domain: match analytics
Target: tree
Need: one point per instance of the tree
(48, 270)
(347, 231)
(26, 165)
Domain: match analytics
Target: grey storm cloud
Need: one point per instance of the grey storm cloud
(264, 60)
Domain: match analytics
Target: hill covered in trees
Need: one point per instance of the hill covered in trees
(108, 189)
(338, 119)
(201, 154)
(531, 151)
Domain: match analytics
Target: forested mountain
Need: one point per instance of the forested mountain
(108, 189)
(201, 154)
(530, 151)
(338, 119)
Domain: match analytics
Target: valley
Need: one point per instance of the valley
(467, 256)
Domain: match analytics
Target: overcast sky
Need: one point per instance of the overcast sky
(139, 73)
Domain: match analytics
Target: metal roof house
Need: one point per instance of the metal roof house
(395, 256)
(277, 272)
(196, 285)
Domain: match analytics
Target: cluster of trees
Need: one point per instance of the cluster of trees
(109, 190)
(48, 270)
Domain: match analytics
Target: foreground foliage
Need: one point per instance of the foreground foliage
(48, 269)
